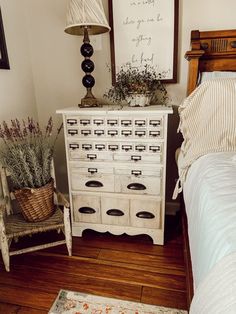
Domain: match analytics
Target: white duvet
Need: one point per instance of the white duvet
(210, 200)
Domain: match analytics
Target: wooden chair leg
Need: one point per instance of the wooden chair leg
(68, 230)
(5, 251)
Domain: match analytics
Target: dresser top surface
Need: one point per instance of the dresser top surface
(116, 109)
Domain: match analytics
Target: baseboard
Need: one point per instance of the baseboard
(172, 208)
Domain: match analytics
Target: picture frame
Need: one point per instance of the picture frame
(4, 61)
(144, 32)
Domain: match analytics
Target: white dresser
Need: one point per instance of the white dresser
(116, 163)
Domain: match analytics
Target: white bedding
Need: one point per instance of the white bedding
(210, 200)
(216, 293)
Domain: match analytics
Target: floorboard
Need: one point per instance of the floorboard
(125, 267)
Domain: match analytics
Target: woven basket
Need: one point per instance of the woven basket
(36, 204)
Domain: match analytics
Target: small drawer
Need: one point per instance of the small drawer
(112, 133)
(155, 122)
(140, 133)
(85, 121)
(145, 214)
(128, 157)
(155, 148)
(86, 146)
(98, 121)
(92, 182)
(86, 169)
(140, 147)
(126, 133)
(74, 146)
(126, 122)
(127, 147)
(85, 132)
(86, 208)
(100, 146)
(140, 122)
(139, 171)
(112, 147)
(90, 156)
(138, 184)
(112, 122)
(115, 211)
(155, 133)
(72, 132)
(99, 132)
(71, 121)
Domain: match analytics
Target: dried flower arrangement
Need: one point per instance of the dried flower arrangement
(132, 80)
(27, 152)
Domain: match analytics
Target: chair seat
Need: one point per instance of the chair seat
(16, 226)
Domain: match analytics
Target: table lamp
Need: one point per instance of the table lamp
(84, 18)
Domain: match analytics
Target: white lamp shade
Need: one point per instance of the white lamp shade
(83, 13)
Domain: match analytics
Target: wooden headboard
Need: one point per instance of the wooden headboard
(210, 51)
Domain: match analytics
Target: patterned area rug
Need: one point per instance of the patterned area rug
(69, 302)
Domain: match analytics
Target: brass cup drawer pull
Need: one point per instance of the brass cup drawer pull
(94, 184)
(136, 172)
(126, 132)
(92, 170)
(140, 133)
(91, 156)
(100, 146)
(136, 158)
(98, 122)
(99, 132)
(115, 212)
(87, 210)
(71, 121)
(113, 147)
(154, 133)
(140, 148)
(84, 122)
(112, 132)
(145, 215)
(126, 122)
(86, 146)
(73, 146)
(72, 132)
(140, 122)
(136, 186)
(112, 122)
(126, 147)
(85, 132)
(155, 149)
(155, 122)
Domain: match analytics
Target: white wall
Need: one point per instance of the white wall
(199, 15)
(35, 37)
(17, 98)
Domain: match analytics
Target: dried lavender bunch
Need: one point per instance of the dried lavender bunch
(27, 151)
(131, 80)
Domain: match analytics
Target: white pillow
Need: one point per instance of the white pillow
(205, 76)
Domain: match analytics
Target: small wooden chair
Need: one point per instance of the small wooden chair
(14, 226)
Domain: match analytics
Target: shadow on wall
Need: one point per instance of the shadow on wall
(174, 141)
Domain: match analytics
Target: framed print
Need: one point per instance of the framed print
(144, 32)
(4, 62)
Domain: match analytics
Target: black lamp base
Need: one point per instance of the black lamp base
(88, 66)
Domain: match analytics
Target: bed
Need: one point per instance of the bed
(207, 168)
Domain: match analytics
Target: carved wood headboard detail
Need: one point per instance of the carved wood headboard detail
(210, 51)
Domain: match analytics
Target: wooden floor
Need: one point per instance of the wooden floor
(125, 267)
